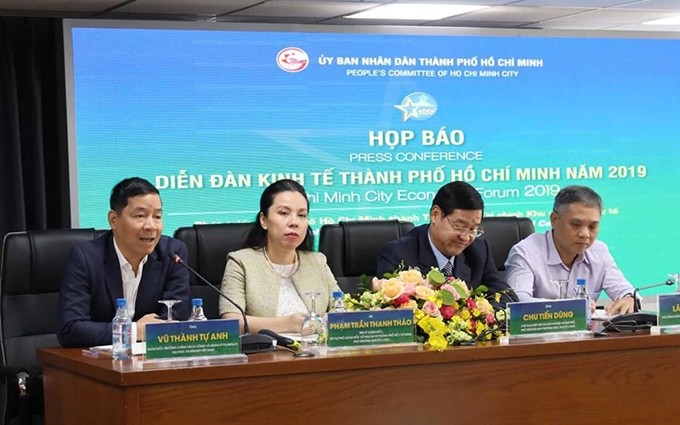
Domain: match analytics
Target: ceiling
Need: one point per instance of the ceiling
(597, 15)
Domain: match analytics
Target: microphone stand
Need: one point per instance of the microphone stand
(636, 301)
(250, 343)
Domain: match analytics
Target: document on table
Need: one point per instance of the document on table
(107, 350)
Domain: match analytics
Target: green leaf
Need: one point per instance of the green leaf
(481, 290)
(447, 298)
(461, 292)
(365, 283)
(436, 277)
(398, 270)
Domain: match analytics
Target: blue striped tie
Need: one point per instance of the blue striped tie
(448, 269)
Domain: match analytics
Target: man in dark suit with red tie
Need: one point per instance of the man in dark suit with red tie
(131, 261)
(449, 242)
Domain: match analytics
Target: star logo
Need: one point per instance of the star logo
(408, 109)
(419, 106)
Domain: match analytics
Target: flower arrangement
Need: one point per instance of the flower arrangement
(446, 311)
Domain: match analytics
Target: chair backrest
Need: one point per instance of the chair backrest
(30, 277)
(31, 270)
(208, 246)
(351, 247)
(503, 233)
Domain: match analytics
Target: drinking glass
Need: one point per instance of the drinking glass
(313, 331)
(169, 304)
(562, 285)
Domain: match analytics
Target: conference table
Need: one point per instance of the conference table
(622, 379)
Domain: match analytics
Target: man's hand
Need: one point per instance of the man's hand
(593, 306)
(621, 306)
(148, 318)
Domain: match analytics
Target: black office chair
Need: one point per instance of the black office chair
(503, 233)
(351, 247)
(208, 246)
(30, 276)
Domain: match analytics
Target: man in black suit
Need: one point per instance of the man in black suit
(449, 242)
(131, 261)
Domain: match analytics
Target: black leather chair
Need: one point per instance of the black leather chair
(208, 246)
(351, 247)
(30, 276)
(503, 233)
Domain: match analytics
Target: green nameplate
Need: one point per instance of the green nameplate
(381, 327)
(669, 310)
(192, 339)
(542, 317)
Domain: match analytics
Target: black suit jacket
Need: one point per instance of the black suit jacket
(474, 265)
(92, 282)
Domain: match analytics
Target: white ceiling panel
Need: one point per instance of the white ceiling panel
(673, 5)
(608, 17)
(198, 7)
(639, 27)
(304, 9)
(465, 2)
(516, 14)
(600, 15)
(373, 22)
(592, 4)
(267, 19)
(480, 24)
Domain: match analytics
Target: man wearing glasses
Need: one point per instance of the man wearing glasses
(449, 242)
(568, 252)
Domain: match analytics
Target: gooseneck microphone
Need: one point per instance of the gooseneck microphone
(250, 343)
(637, 307)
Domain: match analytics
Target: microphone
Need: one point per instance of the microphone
(250, 343)
(281, 340)
(637, 320)
(636, 301)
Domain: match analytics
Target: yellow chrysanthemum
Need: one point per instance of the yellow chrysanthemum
(437, 341)
(432, 325)
(464, 314)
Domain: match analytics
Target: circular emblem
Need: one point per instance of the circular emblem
(292, 59)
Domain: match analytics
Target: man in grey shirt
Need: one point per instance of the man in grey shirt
(569, 251)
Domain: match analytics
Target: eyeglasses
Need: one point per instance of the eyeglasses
(474, 233)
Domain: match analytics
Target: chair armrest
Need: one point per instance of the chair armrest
(18, 375)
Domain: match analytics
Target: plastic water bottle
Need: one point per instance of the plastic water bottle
(122, 331)
(337, 306)
(197, 310)
(582, 292)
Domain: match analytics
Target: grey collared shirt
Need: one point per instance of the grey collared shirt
(534, 262)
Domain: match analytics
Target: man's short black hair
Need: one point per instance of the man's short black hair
(129, 188)
(458, 196)
(577, 194)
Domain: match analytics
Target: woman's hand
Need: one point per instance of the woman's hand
(295, 321)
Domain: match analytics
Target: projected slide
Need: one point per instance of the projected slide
(374, 124)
